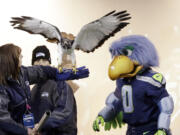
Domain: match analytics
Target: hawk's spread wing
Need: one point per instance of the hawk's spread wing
(36, 26)
(93, 35)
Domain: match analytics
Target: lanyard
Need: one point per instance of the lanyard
(28, 107)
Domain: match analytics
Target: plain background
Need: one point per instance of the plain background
(159, 20)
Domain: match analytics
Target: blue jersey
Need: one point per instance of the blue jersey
(140, 96)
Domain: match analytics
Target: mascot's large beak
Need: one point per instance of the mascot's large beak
(122, 66)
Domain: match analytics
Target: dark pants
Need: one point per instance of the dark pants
(146, 129)
(58, 132)
(2, 132)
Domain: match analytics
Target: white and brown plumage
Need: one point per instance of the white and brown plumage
(90, 37)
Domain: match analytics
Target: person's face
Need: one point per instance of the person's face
(42, 62)
(20, 60)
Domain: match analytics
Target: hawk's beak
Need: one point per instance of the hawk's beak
(122, 66)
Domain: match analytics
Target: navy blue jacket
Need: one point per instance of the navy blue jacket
(58, 97)
(13, 98)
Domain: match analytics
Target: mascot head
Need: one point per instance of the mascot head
(130, 55)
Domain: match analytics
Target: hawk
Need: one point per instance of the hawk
(90, 37)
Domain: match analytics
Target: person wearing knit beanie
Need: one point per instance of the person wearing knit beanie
(56, 96)
(41, 52)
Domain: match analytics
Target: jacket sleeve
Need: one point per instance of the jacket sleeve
(63, 99)
(36, 74)
(7, 124)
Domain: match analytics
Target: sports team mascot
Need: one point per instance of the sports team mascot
(140, 98)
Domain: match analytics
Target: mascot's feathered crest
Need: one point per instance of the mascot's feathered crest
(143, 51)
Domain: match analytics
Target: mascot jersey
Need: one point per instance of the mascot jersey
(139, 95)
(138, 98)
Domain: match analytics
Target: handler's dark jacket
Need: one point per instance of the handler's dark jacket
(58, 97)
(14, 96)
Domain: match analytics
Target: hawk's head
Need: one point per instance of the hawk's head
(67, 40)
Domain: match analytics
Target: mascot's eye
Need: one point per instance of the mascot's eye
(127, 52)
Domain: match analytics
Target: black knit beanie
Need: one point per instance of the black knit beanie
(41, 52)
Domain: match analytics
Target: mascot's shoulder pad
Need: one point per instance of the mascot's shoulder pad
(158, 77)
(153, 78)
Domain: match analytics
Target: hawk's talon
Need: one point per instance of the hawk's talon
(74, 69)
(60, 68)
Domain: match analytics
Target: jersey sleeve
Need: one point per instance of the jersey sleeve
(157, 87)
